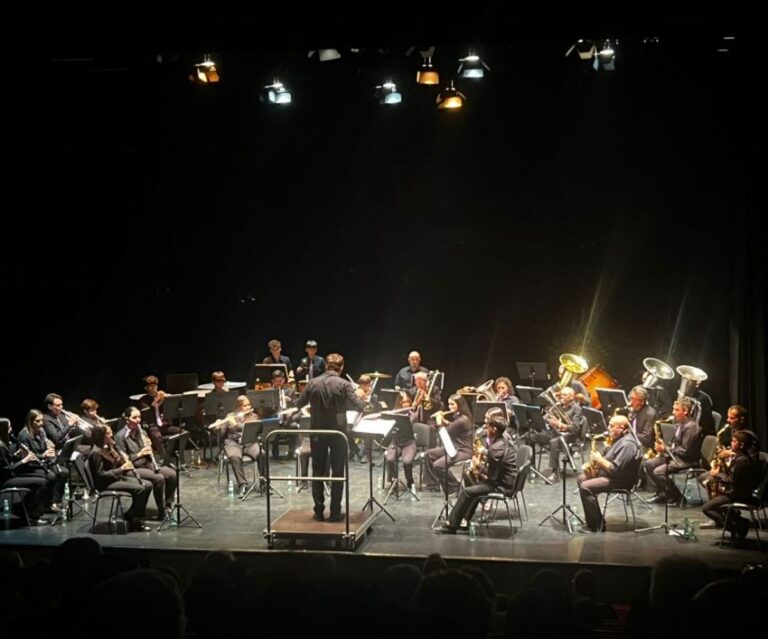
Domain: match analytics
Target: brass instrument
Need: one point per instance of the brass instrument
(145, 441)
(691, 377)
(592, 467)
(573, 365)
(655, 370)
(652, 453)
(478, 466)
(427, 401)
(485, 392)
(715, 485)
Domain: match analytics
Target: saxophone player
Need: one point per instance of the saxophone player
(740, 479)
(500, 475)
(131, 441)
(617, 468)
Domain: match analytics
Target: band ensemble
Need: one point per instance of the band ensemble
(641, 445)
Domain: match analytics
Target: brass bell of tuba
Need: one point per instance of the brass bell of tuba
(655, 370)
(485, 392)
(691, 377)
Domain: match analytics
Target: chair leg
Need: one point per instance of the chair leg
(632, 508)
(756, 520)
(95, 515)
(725, 524)
(525, 506)
(624, 503)
(509, 516)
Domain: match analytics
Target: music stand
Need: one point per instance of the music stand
(479, 409)
(263, 401)
(404, 429)
(529, 394)
(565, 507)
(256, 432)
(596, 424)
(65, 457)
(177, 508)
(372, 428)
(262, 373)
(173, 443)
(532, 371)
(611, 399)
(449, 453)
(180, 382)
(529, 419)
(180, 405)
(670, 529)
(390, 397)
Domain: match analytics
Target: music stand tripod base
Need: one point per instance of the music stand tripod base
(565, 507)
(174, 516)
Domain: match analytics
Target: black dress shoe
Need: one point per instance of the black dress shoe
(657, 499)
(137, 525)
(586, 530)
(318, 517)
(336, 516)
(445, 529)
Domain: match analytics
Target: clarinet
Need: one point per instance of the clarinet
(146, 442)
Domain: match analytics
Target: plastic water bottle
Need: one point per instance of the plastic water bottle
(231, 488)
(472, 531)
(66, 491)
(6, 509)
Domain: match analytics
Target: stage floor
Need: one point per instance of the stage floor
(228, 523)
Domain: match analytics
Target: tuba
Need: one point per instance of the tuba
(485, 392)
(655, 370)
(573, 365)
(691, 377)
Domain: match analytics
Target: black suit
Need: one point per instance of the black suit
(14, 474)
(686, 447)
(742, 478)
(107, 475)
(642, 423)
(329, 396)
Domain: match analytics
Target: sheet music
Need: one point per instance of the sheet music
(374, 427)
(450, 449)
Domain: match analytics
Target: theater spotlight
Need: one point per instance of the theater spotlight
(205, 72)
(472, 66)
(275, 93)
(586, 49)
(325, 55)
(450, 99)
(427, 74)
(606, 56)
(387, 93)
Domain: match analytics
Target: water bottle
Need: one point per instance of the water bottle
(687, 528)
(472, 531)
(66, 491)
(6, 509)
(112, 524)
(231, 488)
(693, 531)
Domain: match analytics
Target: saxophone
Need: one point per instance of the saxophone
(478, 466)
(651, 452)
(715, 485)
(591, 468)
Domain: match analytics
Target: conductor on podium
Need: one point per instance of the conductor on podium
(329, 397)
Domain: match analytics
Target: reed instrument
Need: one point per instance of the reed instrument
(147, 443)
(478, 465)
(652, 453)
(592, 467)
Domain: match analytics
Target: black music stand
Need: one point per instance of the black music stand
(670, 529)
(529, 394)
(371, 429)
(180, 382)
(404, 429)
(532, 371)
(262, 373)
(256, 432)
(180, 406)
(529, 419)
(174, 515)
(450, 452)
(479, 409)
(610, 400)
(64, 457)
(596, 424)
(565, 507)
(390, 396)
(265, 402)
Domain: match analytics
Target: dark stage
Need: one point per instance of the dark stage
(623, 558)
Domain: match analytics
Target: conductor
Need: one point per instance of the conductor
(329, 396)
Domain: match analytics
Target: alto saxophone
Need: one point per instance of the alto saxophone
(651, 452)
(478, 467)
(592, 467)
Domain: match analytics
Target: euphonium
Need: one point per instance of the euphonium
(478, 467)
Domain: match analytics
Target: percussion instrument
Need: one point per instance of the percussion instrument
(228, 385)
(597, 377)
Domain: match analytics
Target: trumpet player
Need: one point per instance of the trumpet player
(113, 471)
(617, 468)
(57, 423)
(137, 447)
(151, 403)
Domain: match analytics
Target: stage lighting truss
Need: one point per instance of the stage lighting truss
(205, 72)
(387, 93)
(472, 66)
(276, 94)
(450, 99)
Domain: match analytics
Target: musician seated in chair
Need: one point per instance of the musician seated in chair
(565, 428)
(158, 426)
(112, 471)
(458, 422)
(34, 438)
(732, 479)
(132, 441)
(683, 453)
(231, 427)
(498, 476)
(617, 468)
(505, 392)
(287, 395)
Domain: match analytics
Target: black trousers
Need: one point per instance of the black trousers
(589, 489)
(325, 447)
(715, 510)
(139, 492)
(163, 485)
(466, 504)
(40, 484)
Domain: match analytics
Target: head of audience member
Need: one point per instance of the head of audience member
(334, 362)
(54, 404)
(34, 420)
(433, 563)
(396, 585)
(434, 605)
(675, 579)
(584, 583)
(414, 360)
(681, 409)
(503, 387)
(311, 348)
(219, 380)
(638, 396)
